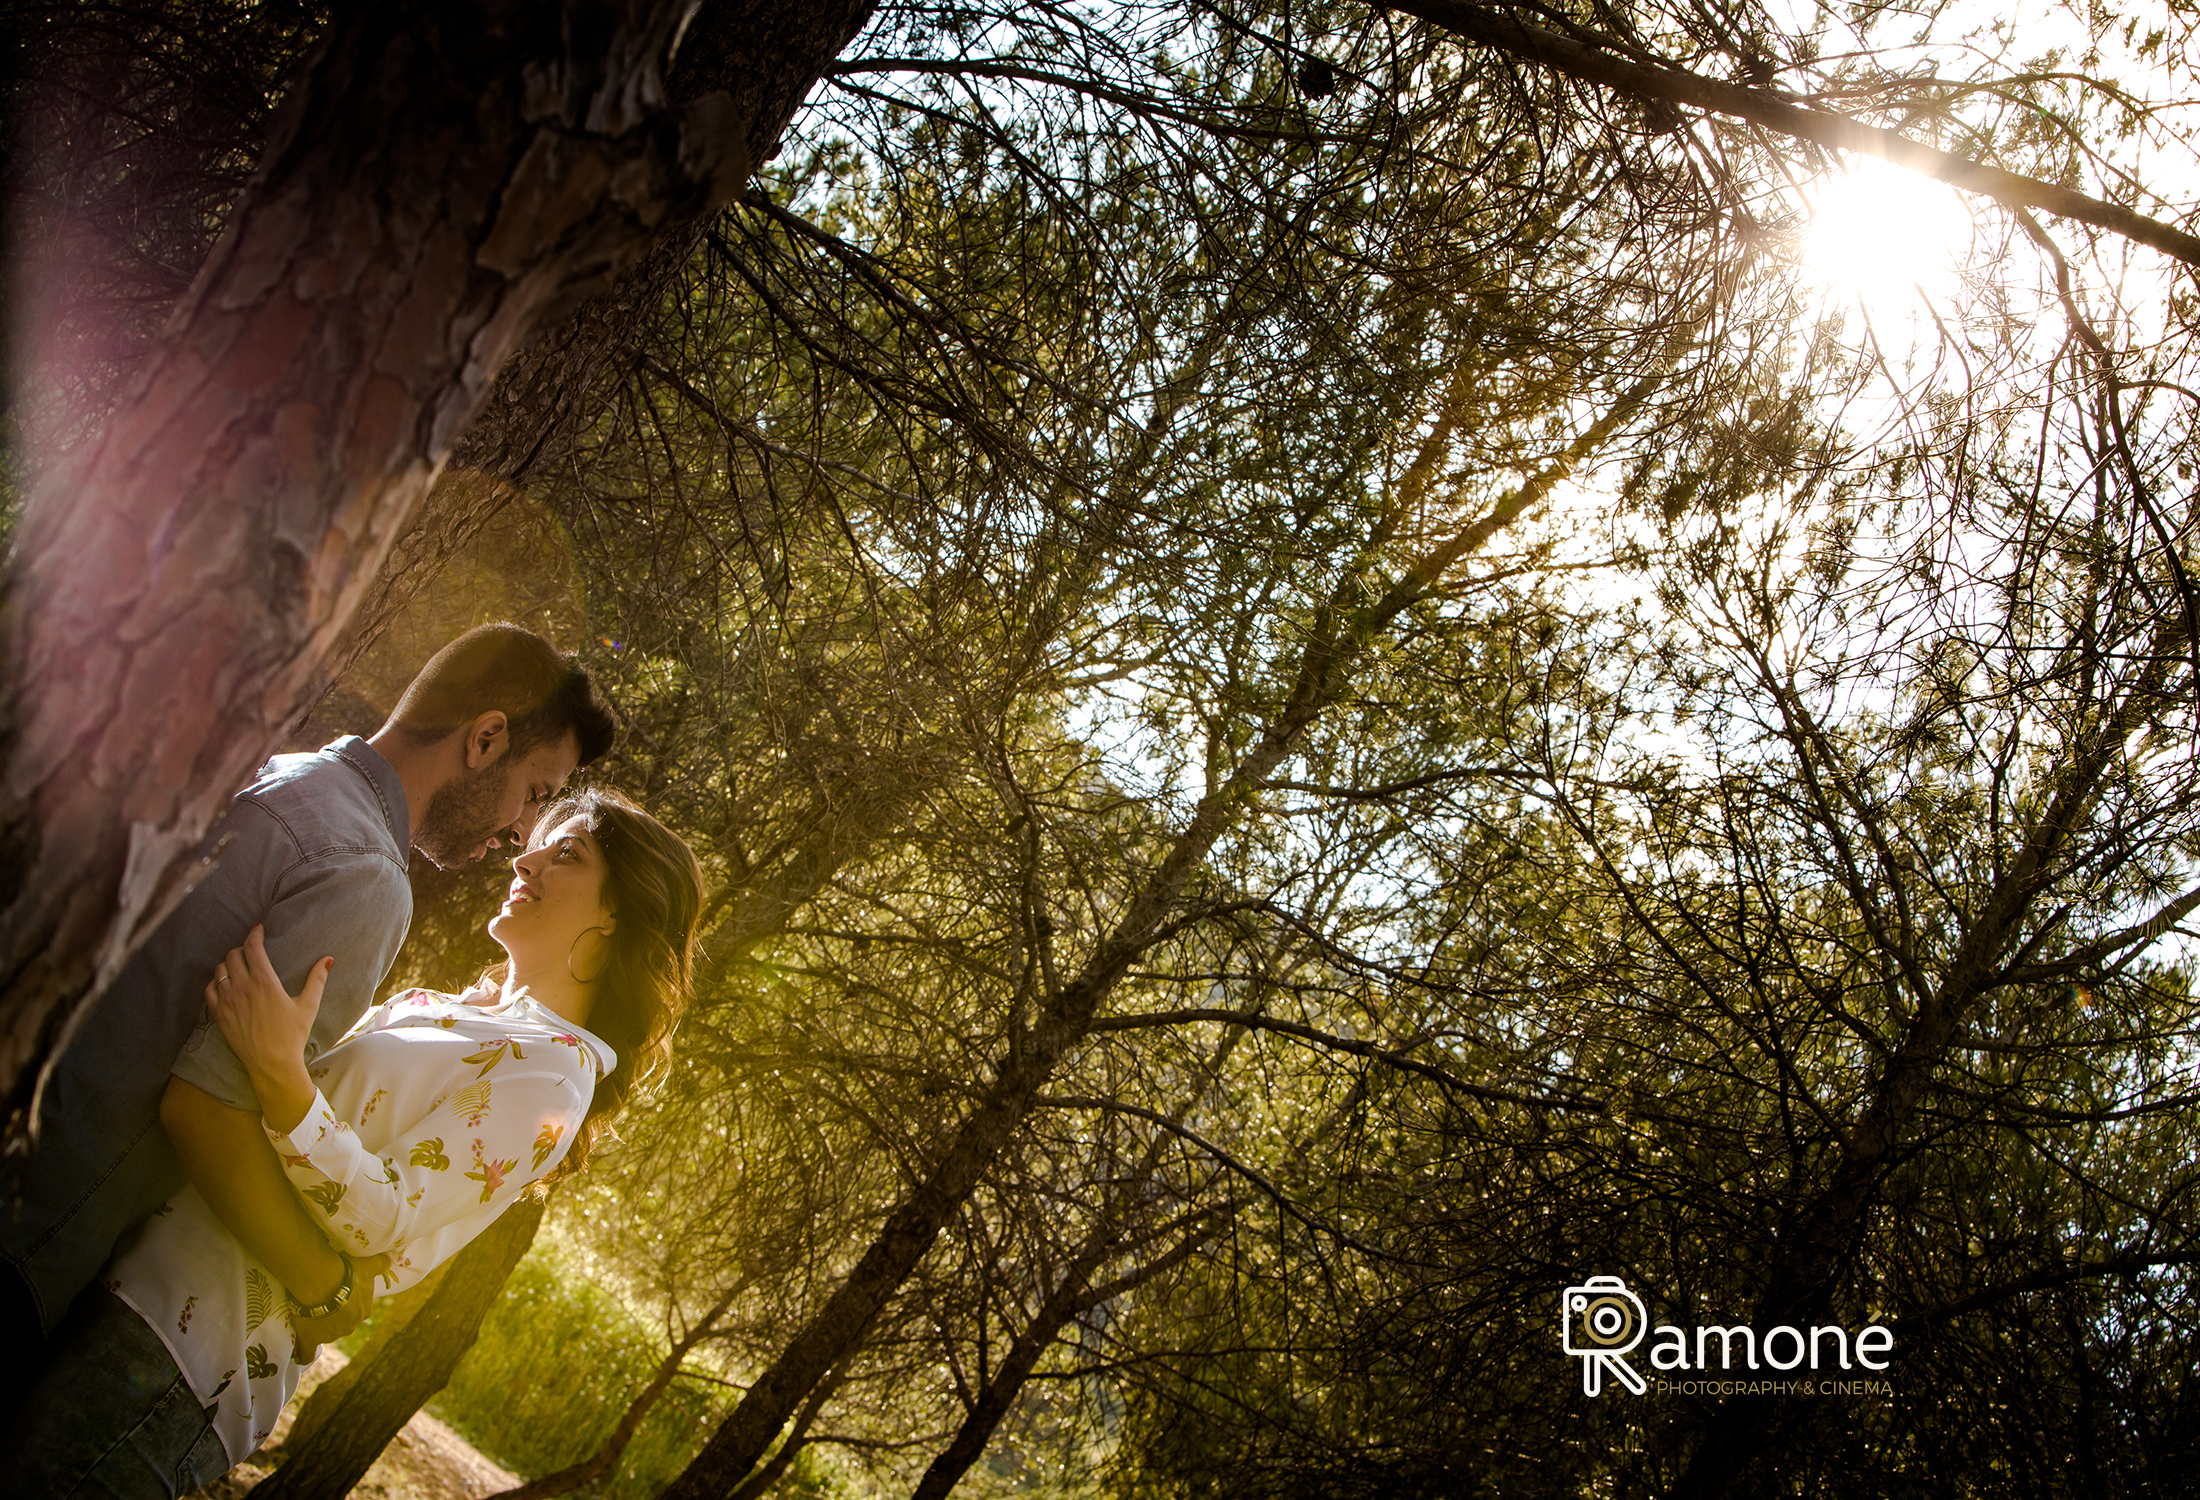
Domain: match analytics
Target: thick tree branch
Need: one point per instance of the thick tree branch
(2125, 1263)
(1674, 86)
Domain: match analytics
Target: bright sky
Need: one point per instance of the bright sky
(1880, 236)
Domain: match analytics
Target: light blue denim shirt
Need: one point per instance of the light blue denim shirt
(315, 848)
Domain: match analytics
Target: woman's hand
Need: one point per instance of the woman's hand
(267, 1027)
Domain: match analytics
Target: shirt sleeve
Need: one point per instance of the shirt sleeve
(352, 906)
(484, 1143)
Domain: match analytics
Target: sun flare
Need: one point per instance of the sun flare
(1882, 235)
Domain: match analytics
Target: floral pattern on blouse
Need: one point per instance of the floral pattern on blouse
(413, 1144)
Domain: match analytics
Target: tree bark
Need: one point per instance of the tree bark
(1764, 107)
(797, 1437)
(443, 180)
(349, 1431)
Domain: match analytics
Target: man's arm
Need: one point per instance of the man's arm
(356, 909)
(226, 1155)
(353, 908)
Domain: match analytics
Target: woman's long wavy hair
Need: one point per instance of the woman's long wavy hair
(654, 887)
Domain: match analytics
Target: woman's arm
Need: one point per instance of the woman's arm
(494, 1135)
(267, 1028)
(483, 1144)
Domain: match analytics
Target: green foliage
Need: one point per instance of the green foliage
(960, 555)
(558, 1360)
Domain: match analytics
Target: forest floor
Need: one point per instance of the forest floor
(427, 1461)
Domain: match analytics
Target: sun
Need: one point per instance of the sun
(1886, 238)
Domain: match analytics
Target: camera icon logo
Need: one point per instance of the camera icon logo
(1600, 1322)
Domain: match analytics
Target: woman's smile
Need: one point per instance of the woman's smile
(555, 896)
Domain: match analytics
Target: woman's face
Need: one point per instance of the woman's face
(556, 894)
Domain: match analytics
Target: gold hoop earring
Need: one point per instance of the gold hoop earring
(585, 931)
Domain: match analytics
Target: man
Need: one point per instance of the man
(147, 1090)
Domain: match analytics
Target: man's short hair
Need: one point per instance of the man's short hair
(544, 692)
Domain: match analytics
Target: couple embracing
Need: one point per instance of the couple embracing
(237, 1148)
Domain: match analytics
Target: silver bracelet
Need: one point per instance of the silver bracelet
(335, 1299)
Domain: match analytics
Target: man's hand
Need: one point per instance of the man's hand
(311, 1333)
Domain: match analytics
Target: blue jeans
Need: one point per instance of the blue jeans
(109, 1417)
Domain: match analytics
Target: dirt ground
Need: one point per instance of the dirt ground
(428, 1461)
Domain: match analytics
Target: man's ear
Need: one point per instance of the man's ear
(487, 738)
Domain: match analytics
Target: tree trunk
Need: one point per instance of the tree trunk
(350, 1431)
(1073, 1296)
(998, 1396)
(443, 179)
(797, 1437)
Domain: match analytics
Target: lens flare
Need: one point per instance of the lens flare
(1881, 236)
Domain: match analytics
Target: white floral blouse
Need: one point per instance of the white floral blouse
(431, 1116)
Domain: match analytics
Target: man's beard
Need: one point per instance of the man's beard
(462, 815)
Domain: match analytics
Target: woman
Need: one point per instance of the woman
(409, 1138)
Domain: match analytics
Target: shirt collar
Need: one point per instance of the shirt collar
(382, 776)
(481, 997)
